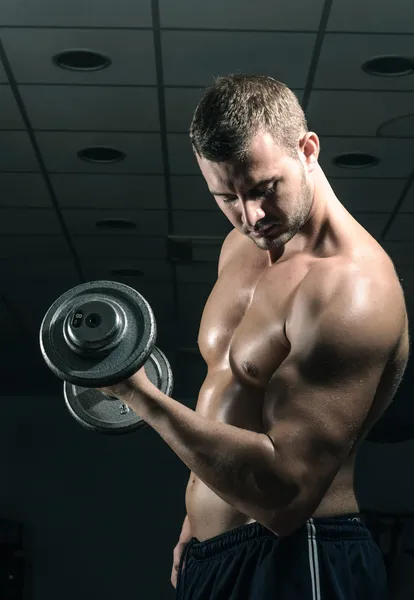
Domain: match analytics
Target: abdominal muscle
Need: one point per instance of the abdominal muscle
(210, 516)
(224, 399)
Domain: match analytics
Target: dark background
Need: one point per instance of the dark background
(99, 517)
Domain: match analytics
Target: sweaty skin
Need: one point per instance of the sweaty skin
(305, 338)
(258, 305)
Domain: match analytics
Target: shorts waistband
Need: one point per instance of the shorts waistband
(344, 527)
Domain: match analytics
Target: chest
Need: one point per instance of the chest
(243, 323)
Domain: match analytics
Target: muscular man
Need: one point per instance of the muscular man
(305, 338)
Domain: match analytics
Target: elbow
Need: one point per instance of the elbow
(287, 519)
(299, 506)
(284, 525)
(289, 492)
(286, 513)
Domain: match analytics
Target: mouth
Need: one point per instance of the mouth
(264, 232)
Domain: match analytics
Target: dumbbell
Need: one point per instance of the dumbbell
(95, 335)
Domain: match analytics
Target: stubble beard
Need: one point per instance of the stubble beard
(294, 225)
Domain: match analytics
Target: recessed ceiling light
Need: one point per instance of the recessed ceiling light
(355, 160)
(81, 60)
(101, 154)
(127, 272)
(389, 66)
(401, 127)
(115, 224)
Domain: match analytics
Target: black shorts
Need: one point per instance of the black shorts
(327, 559)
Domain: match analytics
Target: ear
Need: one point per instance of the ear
(309, 147)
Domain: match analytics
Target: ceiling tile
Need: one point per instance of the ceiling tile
(109, 191)
(408, 203)
(395, 156)
(153, 271)
(157, 294)
(401, 253)
(94, 13)
(10, 117)
(3, 76)
(34, 246)
(23, 189)
(148, 222)
(195, 222)
(207, 252)
(234, 14)
(30, 52)
(401, 127)
(190, 192)
(195, 57)
(191, 300)
(8, 326)
(196, 273)
(371, 15)
(402, 228)
(16, 152)
(342, 55)
(33, 308)
(180, 104)
(376, 195)
(143, 151)
(120, 247)
(91, 108)
(37, 269)
(160, 296)
(181, 158)
(31, 221)
(373, 223)
(361, 113)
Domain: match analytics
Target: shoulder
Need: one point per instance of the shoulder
(371, 281)
(227, 249)
(237, 246)
(358, 301)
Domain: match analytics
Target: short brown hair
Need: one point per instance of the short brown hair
(236, 107)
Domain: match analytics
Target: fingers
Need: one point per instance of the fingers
(178, 550)
(174, 576)
(174, 572)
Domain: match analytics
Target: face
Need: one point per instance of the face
(269, 196)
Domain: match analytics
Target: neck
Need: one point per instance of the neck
(308, 236)
(323, 196)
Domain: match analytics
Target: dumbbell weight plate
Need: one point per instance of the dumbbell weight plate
(98, 412)
(97, 334)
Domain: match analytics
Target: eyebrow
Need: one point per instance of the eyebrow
(256, 185)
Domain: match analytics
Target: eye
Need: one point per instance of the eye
(270, 190)
(230, 200)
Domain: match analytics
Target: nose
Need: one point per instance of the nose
(252, 212)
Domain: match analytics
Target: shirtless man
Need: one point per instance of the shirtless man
(305, 338)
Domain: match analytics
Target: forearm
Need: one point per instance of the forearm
(240, 466)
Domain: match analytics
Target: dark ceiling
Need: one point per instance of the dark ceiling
(141, 212)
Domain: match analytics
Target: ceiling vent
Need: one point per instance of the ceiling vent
(81, 60)
(355, 160)
(101, 155)
(389, 66)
